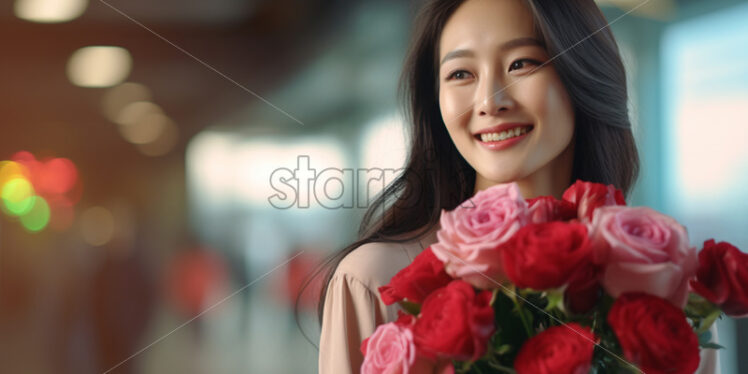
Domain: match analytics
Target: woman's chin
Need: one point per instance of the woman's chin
(491, 178)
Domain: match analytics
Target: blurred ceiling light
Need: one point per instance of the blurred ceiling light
(144, 123)
(164, 143)
(134, 112)
(117, 98)
(146, 130)
(97, 226)
(257, 161)
(210, 167)
(99, 66)
(49, 11)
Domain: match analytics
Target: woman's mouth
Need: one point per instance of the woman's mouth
(503, 135)
(503, 139)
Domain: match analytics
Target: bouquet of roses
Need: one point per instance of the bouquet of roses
(578, 285)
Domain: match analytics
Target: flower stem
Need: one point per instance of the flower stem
(502, 368)
(525, 322)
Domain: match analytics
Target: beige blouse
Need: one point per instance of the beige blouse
(353, 308)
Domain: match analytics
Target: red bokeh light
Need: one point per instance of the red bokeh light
(56, 176)
(297, 272)
(192, 277)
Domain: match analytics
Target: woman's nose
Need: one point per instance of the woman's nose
(494, 98)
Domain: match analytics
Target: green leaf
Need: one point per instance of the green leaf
(503, 349)
(410, 307)
(511, 292)
(510, 331)
(555, 300)
(707, 322)
(698, 307)
(711, 346)
(493, 296)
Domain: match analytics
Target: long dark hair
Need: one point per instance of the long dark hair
(437, 177)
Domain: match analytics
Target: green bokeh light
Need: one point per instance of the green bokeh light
(37, 218)
(17, 195)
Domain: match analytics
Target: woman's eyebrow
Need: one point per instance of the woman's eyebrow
(514, 43)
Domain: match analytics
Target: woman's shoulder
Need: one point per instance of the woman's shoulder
(375, 263)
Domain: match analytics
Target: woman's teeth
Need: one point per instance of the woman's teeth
(508, 134)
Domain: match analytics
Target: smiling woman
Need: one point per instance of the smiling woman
(495, 91)
(502, 100)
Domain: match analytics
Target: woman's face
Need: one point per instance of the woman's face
(488, 53)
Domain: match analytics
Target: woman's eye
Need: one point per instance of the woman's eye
(458, 74)
(519, 64)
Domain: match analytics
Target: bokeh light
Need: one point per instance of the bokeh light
(30, 164)
(99, 66)
(164, 143)
(37, 217)
(49, 11)
(39, 193)
(10, 170)
(57, 176)
(28, 160)
(134, 112)
(17, 195)
(119, 97)
(97, 226)
(146, 129)
(194, 278)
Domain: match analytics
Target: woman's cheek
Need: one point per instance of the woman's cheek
(556, 100)
(455, 106)
(535, 96)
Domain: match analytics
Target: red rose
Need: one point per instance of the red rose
(547, 208)
(722, 277)
(654, 334)
(455, 322)
(584, 288)
(557, 350)
(416, 281)
(588, 196)
(545, 255)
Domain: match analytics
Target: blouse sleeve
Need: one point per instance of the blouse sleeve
(351, 313)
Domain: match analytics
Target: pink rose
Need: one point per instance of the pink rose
(391, 348)
(643, 250)
(470, 235)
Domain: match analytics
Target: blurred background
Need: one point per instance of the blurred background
(151, 222)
